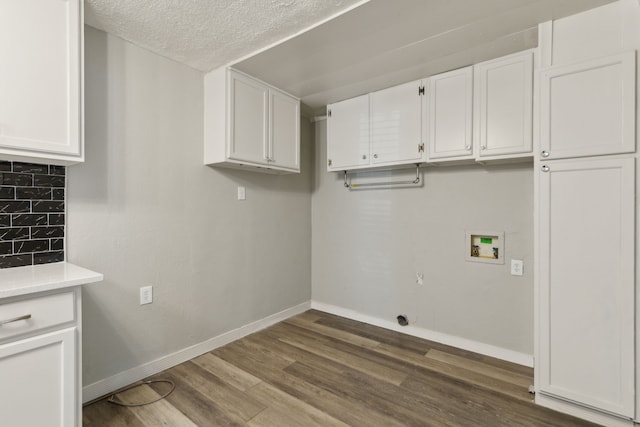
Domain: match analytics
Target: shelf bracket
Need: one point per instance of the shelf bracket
(352, 186)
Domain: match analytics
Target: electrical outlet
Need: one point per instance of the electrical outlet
(146, 295)
(242, 193)
(517, 267)
(419, 278)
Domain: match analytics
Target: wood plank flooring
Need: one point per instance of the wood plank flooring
(317, 369)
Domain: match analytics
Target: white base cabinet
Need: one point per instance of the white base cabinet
(40, 360)
(586, 283)
(249, 124)
(43, 368)
(41, 107)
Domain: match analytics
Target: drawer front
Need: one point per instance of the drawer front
(36, 313)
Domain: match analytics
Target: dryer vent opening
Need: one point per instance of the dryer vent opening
(402, 320)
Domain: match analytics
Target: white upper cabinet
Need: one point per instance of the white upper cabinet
(396, 124)
(41, 108)
(284, 136)
(384, 128)
(477, 113)
(348, 134)
(249, 124)
(450, 110)
(588, 108)
(248, 119)
(504, 106)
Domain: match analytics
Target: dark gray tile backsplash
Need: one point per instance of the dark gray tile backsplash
(32, 213)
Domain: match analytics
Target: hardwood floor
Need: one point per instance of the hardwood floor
(317, 369)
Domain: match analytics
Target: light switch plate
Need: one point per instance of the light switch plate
(146, 295)
(242, 194)
(517, 267)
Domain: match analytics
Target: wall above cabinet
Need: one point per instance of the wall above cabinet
(249, 124)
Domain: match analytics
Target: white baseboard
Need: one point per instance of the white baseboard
(585, 413)
(108, 385)
(463, 343)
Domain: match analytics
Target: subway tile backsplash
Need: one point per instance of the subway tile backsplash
(32, 213)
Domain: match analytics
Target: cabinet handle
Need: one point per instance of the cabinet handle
(483, 147)
(545, 168)
(15, 319)
(364, 157)
(375, 156)
(468, 148)
(545, 154)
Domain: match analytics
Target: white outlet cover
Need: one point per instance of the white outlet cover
(146, 295)
(517, 267)
(242, 193)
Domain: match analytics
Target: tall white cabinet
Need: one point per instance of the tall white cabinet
(587, 284)
(586, 221)
(41, 107)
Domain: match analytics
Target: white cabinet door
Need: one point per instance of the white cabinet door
(284, 138)
(588, 108)
(348, 134)
(450, 115)
(40, 80)
(396, 124)
(504, 105)
(586, 282)
(248, 119)
(41, 372)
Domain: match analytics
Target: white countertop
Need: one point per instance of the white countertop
(45, 277)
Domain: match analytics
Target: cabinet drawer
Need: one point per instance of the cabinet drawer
(44, 312)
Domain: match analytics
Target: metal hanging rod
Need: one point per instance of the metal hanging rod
(352, 186)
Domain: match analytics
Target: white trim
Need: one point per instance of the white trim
(462, 343)
(105, 386)
(294, 35)
(582, 412)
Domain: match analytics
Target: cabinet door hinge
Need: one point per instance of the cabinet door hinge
(329, 113)
(421, 148)
(329, 162)
(421, 90)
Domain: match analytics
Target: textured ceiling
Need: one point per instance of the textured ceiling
(205, 34)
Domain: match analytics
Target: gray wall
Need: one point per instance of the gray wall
(368, 245)
(144, 210)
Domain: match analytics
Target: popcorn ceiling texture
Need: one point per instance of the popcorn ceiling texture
(206, 34)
